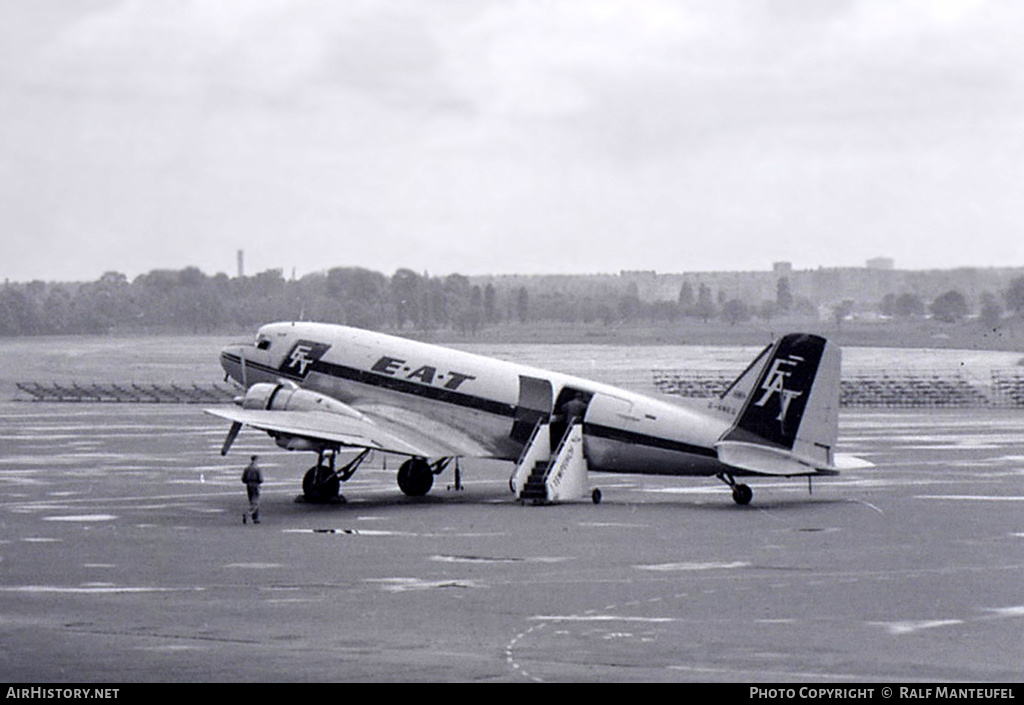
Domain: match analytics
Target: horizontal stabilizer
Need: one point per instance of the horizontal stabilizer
(845, 461)
(766, 460)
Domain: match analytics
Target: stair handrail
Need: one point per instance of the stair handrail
(529, 443)
(561, 443)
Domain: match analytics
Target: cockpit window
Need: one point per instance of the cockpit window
(263, 343)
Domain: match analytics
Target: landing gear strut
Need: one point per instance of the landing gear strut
(741, 494)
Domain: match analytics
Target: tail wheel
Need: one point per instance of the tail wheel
(742, 494)
(415, 478)
(320, 485)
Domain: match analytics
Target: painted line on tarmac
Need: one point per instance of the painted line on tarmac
(91, 589)
(396, 585)
(66, 501)
(1005, 612)
(972, 498)
(602, 618)
(768, 675)
(593, 615)
(606, 615)
(83, 517)
(911, 626)
(867, 504)
(487, 559)
(672, 567)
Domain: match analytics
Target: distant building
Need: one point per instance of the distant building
(241, 264)
(823, 286)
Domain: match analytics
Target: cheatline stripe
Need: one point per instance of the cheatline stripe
(398, 385)
(403, 386)
(472, 402)
(641, 439)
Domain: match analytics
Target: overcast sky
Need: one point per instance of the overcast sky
(508, 136)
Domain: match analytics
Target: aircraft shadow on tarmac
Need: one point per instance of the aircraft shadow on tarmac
(717, 503)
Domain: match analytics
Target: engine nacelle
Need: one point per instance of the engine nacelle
(297, 443)
(284, 397)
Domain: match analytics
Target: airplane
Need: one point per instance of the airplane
(329, 388)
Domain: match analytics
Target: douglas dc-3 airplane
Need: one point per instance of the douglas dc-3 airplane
(324, 388)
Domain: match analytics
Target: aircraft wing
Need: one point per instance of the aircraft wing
(391, 430)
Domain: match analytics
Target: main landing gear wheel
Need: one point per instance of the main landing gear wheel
(595, 496)
(742, 494)
(415, 478)
(320, 484)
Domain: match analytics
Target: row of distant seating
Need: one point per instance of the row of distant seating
(171, 393)
(702, 385)
(907, 389)
(912, 390)
(1008, 387)
(882, 389)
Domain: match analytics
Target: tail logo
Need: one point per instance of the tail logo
(775, 383)
(783, 388)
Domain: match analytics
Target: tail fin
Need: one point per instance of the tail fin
(788, 424)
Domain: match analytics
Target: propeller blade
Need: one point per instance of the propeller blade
(232, 435)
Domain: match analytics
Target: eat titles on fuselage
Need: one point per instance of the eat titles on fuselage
(327, 388)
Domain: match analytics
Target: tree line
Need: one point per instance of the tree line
(189, 301)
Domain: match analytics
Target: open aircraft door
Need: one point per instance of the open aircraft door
(536, 402)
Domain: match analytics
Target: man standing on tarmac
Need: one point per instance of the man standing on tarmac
(253, 478)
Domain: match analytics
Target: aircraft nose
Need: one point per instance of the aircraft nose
(232, 358)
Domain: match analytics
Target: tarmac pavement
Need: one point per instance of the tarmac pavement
(123, 558)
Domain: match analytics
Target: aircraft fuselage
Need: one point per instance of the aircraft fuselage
(488, 406)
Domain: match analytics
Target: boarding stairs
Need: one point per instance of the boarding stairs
(534, 488)
(543, 477)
